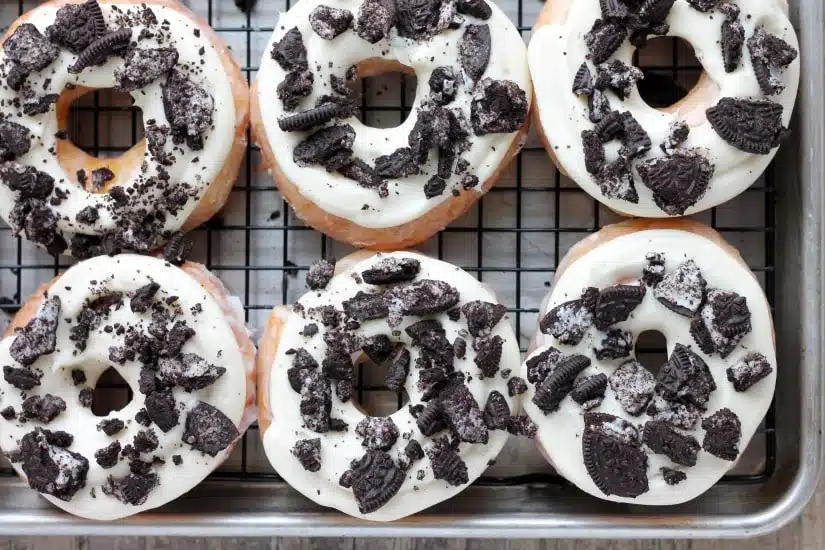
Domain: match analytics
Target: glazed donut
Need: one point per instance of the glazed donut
(390, 188)
(194, 101)
(442, 338)
(691, 156)
(175, 336)
(604, 421)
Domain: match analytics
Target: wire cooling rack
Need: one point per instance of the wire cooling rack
(512, 240)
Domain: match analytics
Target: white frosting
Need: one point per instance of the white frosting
(620, 260)
(198, 169)
(557, 51)
(214, 341)
(406, 201)
(339, 449)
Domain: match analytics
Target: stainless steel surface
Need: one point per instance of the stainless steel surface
(513, 242)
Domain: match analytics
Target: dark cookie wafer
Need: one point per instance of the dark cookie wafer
(589, 390)
(482, 317)
(616, 303)
(50, 468)
(683, 289)
(594, 155)
(308, 453)
(750, 125)
(603, 39)
(723, 431)
(678, 181)
(447, 464)
(496, 411)
(613, 344)
(662, 439)
(634, 386)
(616, 181)
(685, 378)
(569, 321)
(671, 476)
(766, 51)
(391, 270)
(721, 323)
(375, 478)
(555, 387)
(474, 50)
(613, 456)
(749, 370)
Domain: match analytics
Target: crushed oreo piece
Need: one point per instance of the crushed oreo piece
(677, 135)
(664, 440)
(365, 175)
(682, 290)
(78, 377)
(413, 450)
(209, 430)
(133, 489)
(306, 120)
(113, 43)
(462, 414)
(430, 336)
(316, 401)
(474, 50)
(616, 303)
(569, 321)
(8, 413)
(496, 411)
(375, 19)
(559, 382)
(391, 270)
(142, 67)
(516, 386)
(594, 154)
(161, 409)
(703, 5)
(583, 81)
(434, 187)
(143, 298)
(733, 40)
(378, 434)
(482, 317)
(474, 8)
(766, 51)
(671, 476)
(635, 140)
(617, 76)
(39, 336)
(49, 467)
(397, 372)
(678, 181)
(308, 453)
(378, 348)
(325, 145)
(723, 431)
(443, 83)
(178, 249)
(431, 419)
(460, 347)
(488, 354)
(15, 141)
(85, 397)
(598, 106)
(29, 49)
(26, 180)
(752, 126)
(111, 426)
(603, 39)
(295, 86)
(634, 386)
(613, 344)
(43, 409)
(749, 370)
(188, 108)
(721, 322)
(108, 456)
(74, 27)
(423, 297)
(654, 271)
(446, 463)
(375, 478)
(522, 426)
(675, 413)
(616, 181)
(399, 164)
(685, 378)
(365, 306)
(21, 378)
(290, 52)
(189, 371)
(422, 19)
(320, 274)
(613, 456)
(328, 22)
(589, 390)
(498, 106)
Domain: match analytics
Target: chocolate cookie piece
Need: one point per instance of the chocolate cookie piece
(617, 76)
(766, 51)
(488, 354)
(375, 478)
(209, 430)
(111, 426)
(325, 145)
(29, 49)
(498, 106)
(391, 270)
(634, 386)
(39, 336)
(672, 477)
(516, 386)
(308, 453)
(474, 50)
(162, 410)
(613, 344)
(749, 370)
(422, 297)
(583, 81)
(594, 154)
(290, 52)
(443, 84)
(375, 19)
(733, 40)
(474, 8)
(496, 411)
(74, 27)
(397, 372)
(101, 49)
(189, 371)
(603, 39)
(21, 378)
(677, 414)
(721, 322)
(556, 385)
(598, 106)
(188, 108)
(377, 434)
(615, 181)
(569, 321)
(677, 135)
(15, 141)
(132, 489)
(679, 181)
(446, 463)
(613, 456)
(539, 366)
(482, 317)
(329, 22)
(316, 402)
(366, 306)
(422, 19)
(461, 412)
(431, 337)
(616, 303)
(399, 164)
(50, 468)
(43, 408)
(588, 392)
(635, 140)
(752, 126)
(703, 5)
(144, 66)
(723, 431)
(685, 378)
(108, 456)
(664, 440)
(295, 86)
(320, 274)
(683, 289)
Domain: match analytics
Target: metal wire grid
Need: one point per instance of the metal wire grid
(250, 250)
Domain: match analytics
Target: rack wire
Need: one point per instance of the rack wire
(513, 239)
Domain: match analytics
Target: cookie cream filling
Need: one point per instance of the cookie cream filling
(442, 338)
(172, 344)
(174, 75)
(472, 75)
(608, 424)
(698, 154)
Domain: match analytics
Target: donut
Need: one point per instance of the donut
(194, 101)
(659, 162)
(606, 422)
(390, 188)
(178, 340)
(438, 335)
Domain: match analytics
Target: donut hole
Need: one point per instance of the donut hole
(111, 393)
(651, 350)
(671, 71)
(386, 92)
(371, 395)
(104, 137)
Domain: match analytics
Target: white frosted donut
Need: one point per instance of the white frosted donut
(696, 154)
(605, 422)
(390, 187)
(194, 101)
(174, 335)
(462, 398)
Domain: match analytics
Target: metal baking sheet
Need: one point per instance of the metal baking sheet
(512, 241)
